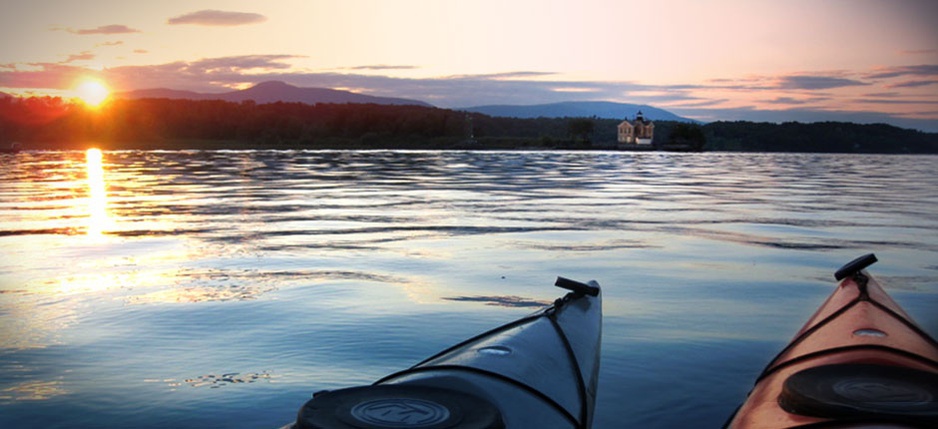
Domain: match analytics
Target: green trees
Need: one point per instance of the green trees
(580, 129)
(829, 137)
(684, 136)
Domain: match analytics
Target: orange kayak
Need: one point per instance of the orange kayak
(859, 361)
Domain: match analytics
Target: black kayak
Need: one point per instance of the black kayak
(539, 371)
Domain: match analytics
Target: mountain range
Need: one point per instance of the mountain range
(274, 91)
(579, 109)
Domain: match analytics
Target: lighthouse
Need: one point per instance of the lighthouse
(639, 131)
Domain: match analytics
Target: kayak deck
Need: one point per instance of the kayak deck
(859, 359)
(538, 371)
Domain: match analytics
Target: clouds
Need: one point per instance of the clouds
(929, 70)
(240, 64)
(217, 18)
(816, 82)
(797, 101)
(922, 75)
(861, 96)
(84, 56)
(381, 67)
(104, 29)
(913, 83)
(919, 52)
(208, 17)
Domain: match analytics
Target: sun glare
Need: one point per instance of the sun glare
(98, 219)
(92, 92)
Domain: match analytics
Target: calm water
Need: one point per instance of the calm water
(220, 289)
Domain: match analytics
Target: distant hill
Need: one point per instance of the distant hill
(272, 92)
(578, 109)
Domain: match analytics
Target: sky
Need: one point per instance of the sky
(761, 60)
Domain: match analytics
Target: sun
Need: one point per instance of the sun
(92, 92)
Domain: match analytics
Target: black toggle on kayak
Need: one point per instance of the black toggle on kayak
(859, 362)
(539, 371)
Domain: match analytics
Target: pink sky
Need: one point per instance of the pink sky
(859, 60)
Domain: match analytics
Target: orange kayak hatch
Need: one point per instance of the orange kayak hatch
(859, 361)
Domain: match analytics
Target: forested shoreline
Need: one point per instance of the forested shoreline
(51, 123)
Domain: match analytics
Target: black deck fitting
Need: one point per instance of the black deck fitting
(855, 266)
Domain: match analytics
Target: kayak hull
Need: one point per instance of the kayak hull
(538, 371)
(860, 359)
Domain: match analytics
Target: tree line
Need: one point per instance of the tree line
(832, 137)
(50, 123)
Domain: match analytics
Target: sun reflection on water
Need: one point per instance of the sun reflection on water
(98, 218)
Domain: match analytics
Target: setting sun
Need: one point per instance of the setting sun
(92, 92)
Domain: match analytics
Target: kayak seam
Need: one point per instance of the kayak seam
(770, 368)
(774, 364)
(544, 312)
(908, 323)
(523, 386)
(833, 351)
(580, 383)
(505, 327)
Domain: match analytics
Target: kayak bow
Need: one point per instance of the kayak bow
(539, 371)
(859, 361)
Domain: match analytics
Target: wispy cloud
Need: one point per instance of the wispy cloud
(84, 56)
(240, 63)
(40, 75)
(104, 29)
(919, 52)
(206, 75)
(913, 83)
(695, 103)
(816, 82)
(505, 76)
(897, 101)
(884, 94)
(792, 81)
(382, 67)
(918, 70)
(217, 18)
(797, 101)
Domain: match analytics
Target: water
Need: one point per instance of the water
(220, 289)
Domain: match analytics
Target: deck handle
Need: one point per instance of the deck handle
(576, 287)
(855, 266)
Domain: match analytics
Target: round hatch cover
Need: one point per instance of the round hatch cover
(397, 406)
(862, 391)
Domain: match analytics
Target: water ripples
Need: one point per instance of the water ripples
(270, 202)
(328, 266)
(267, 203)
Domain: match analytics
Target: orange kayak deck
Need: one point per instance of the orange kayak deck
(859, 360)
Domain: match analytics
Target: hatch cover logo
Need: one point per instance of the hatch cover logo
(400, 412)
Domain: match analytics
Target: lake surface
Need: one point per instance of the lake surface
(217, 289)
